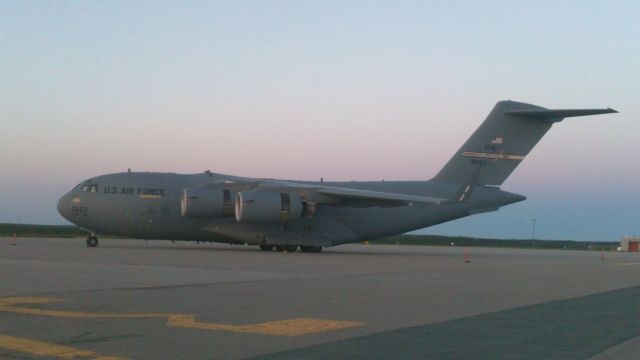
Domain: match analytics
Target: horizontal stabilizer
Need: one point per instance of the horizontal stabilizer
(557, 115)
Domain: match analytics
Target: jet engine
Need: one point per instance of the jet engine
(205, 203)
(267, 206)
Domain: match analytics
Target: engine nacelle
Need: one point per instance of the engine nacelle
(267, 206)
(205, 203)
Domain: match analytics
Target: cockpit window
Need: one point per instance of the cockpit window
(88, 187)
(84, 186)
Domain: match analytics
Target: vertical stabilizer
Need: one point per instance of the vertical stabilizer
(503, 140)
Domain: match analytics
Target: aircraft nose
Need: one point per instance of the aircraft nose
(64, 206)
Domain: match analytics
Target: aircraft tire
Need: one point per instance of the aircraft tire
(92, 241)
(266, 247)
(310, 249)
(290, 248)
(286, 248)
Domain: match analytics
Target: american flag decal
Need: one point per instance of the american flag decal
(497, 140)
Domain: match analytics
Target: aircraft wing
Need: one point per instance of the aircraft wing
(328, 194)
(376, 195)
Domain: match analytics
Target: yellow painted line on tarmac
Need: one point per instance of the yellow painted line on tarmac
(290, 327)
(40, 348)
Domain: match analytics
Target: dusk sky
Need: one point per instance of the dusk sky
(345, 90)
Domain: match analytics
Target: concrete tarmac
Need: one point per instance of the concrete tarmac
(135, 299)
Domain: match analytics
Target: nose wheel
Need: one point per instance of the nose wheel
(92, 241)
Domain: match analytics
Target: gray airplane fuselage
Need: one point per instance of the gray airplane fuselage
(147, 206)
(287, 214)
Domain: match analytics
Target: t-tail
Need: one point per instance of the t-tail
(503, 140)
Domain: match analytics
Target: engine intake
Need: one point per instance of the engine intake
(205, 203)
(267, 206)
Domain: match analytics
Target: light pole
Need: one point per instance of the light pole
(533, 232)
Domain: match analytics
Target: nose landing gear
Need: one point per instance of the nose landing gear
(92, 241)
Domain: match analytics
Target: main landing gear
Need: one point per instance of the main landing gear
(92, 241)
(287, 248)
(310, 249)
(291, 248)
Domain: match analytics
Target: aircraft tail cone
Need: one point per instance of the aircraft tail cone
(467, 256)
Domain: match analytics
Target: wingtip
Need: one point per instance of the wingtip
(612, 111)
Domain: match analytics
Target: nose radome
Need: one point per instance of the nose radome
(63, 206)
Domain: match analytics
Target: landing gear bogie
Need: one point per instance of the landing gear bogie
(286, 248)
(310, 248)
(266, 247)
(292, 248)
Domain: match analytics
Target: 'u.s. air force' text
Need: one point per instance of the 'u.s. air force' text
(134, 191)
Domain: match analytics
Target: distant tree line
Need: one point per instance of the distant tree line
(29, 230)
(436, 240)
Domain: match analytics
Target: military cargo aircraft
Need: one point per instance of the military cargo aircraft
(291, 215)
